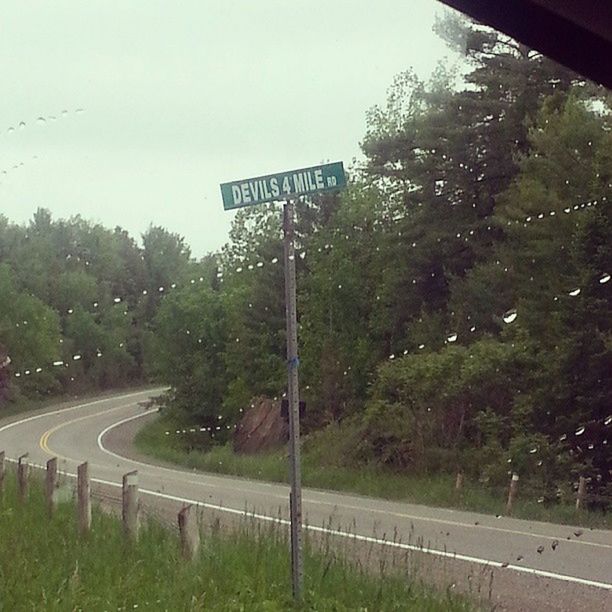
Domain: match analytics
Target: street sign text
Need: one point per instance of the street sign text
(282, 186)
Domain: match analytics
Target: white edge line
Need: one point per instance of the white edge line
(335, 504)
(62, 410)
(352, 536)
(335, 532)
(277, 520)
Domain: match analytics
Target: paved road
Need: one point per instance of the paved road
(535, 565)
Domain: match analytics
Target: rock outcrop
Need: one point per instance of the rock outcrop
(262, 427)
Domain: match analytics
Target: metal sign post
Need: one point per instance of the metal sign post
(272, 188)
(294, 402)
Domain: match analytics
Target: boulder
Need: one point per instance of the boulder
(262, 428)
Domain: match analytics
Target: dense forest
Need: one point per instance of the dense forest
(454, 302)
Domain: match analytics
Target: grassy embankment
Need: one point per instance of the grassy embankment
(324, 467)
(46, 566)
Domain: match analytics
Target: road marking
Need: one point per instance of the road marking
(44, 439)
(347, 506)
(77, 407)
(356, 537)
(335, 532)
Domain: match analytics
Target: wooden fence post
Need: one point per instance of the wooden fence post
(130, 505)
(23, 477)
(189, 532)
(512, 492)
(51, 485)
(459, 482)
(2, 472)
(581, 492)
(83, 499)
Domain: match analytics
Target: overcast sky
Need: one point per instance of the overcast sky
(180, 96)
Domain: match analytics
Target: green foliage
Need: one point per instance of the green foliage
(82, 297)
(248, 569)
(452, 301)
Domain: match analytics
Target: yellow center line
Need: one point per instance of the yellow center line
(43, 443)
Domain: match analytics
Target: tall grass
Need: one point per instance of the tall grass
(324, 467)
(44, 565)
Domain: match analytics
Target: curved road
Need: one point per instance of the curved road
(526, 564)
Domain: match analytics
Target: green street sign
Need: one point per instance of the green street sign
(283, 186)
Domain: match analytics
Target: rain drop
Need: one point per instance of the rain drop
(604, 278)
(510, 316)
(452, 337)
(575, 292)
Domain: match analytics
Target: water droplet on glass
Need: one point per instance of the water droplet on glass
(604, 278)
(144, 292)
(533, 450)
(160, 289)
(575, 292)
(608, 420)
(473, 328)
(76, 357)
(421, 346)
(510, 315)
(275, 260)
(580, 431)
(58, 363)
(239, 269)
(117, 300)
(452, 337)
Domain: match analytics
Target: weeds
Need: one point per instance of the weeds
(47, 566)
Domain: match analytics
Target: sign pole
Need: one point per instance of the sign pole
(277, 187)
(295, 499)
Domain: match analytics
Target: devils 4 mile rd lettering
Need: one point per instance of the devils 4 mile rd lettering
(283, 186)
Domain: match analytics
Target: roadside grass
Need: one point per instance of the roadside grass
(323, 468)
(45, 565)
